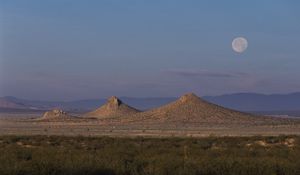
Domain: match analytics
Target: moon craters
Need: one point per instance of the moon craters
(239, 44)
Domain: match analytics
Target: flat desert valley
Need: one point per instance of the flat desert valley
(187, 116)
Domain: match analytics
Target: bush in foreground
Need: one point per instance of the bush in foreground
(53, 155)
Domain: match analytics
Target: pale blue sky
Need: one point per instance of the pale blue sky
(68, 49)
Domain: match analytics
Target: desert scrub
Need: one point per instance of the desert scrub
(53, 155)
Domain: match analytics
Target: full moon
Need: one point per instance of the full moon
(239, 44)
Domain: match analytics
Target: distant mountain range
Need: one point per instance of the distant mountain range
(238, 101)
(10, 102)
(258, 102)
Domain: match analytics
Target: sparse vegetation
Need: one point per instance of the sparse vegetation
(123, 156)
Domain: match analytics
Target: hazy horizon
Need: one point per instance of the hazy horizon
(68, 50)
(150, 97)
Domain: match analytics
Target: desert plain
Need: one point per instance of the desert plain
(187, 116)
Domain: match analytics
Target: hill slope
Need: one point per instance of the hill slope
(11, 103)
(113, 108)
(192, 109)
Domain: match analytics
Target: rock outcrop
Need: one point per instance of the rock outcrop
(56, 114)
(113, 108)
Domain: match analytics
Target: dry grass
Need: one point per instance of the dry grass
(149, 156)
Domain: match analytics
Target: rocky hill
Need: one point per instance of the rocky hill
(113, 108)
(190, 108)
(55, 114)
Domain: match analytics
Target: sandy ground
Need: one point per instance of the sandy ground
(25, 126)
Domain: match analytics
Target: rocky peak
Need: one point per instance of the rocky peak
(114, 107)
(55, 114)
(58, 112)
(114, 101)
(189, 97)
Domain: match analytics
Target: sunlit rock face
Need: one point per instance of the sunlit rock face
(55, 114)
